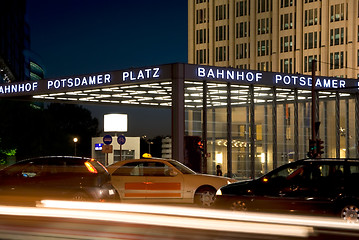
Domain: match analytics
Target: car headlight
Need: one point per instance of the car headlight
(219, 192)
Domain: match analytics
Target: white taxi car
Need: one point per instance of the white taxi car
(163, 180)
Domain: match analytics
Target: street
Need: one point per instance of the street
(87, 220)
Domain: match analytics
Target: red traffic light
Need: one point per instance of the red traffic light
(200, 145)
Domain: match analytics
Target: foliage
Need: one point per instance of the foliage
(10, 153)
(36, 131)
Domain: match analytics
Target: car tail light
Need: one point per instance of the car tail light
(91, 168)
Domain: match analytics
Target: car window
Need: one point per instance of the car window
(32, 169)
(156, 169)
(182, 168)
(290, 172)
(308, 172)
(328, 177)
(130, 169)
(15, 169)
(329, 170)
(68, 165)
(354, 172)
(354, 169)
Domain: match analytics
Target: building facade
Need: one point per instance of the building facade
(166, 147)
(14, 40)
(129, 150)
(279, 36)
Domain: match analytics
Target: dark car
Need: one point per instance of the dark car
(309, 186)
(65, 178)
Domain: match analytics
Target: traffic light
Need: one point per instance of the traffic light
(312, 153)
(319, 147)
(200, 146)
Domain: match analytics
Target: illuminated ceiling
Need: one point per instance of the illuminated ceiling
(159, 94)
(153, 94)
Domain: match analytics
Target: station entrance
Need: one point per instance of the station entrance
(249, 122)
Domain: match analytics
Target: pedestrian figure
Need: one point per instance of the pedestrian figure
(219, 171)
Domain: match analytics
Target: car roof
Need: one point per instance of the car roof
(330, 159)
(324, 160)
(144, 160)
(120, 163)
(66, 158)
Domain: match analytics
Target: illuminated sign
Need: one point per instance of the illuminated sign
(307, 81)
(141, 74)
(77, 81)
(98, 146)
(270, 78)
(166, 72)
(229, 74)
(18, 88)
(82, 81)
(115, 122)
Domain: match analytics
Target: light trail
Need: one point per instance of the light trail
(160, 217)
(287, 219)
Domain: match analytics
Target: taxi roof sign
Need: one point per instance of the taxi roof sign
(146, 155)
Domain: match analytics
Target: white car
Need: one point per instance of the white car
(164, 180)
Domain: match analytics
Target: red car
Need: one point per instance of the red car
(66, 178)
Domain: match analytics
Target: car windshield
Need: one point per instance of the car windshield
(182, 168)
(287, 172)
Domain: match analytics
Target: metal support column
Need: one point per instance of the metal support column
(204, 167)
(317, 109)
(213, 150)
(265, 138)
(337, 124)
(229, 131)
(326, 139)
(357, 124)
(178, 112)
(253, 131)
(284, 131)
(247, 136)
(274, 120)
(296, 137)
(305, 130)
(347, 129)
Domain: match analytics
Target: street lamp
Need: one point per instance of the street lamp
(144, 137)
(75, 141)
(149, 146)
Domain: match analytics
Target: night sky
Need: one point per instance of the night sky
(73, 37)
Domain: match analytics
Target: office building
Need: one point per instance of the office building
(278, 36)
(14, 40)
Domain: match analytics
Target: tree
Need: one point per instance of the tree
(36, 131)
(62, 123)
